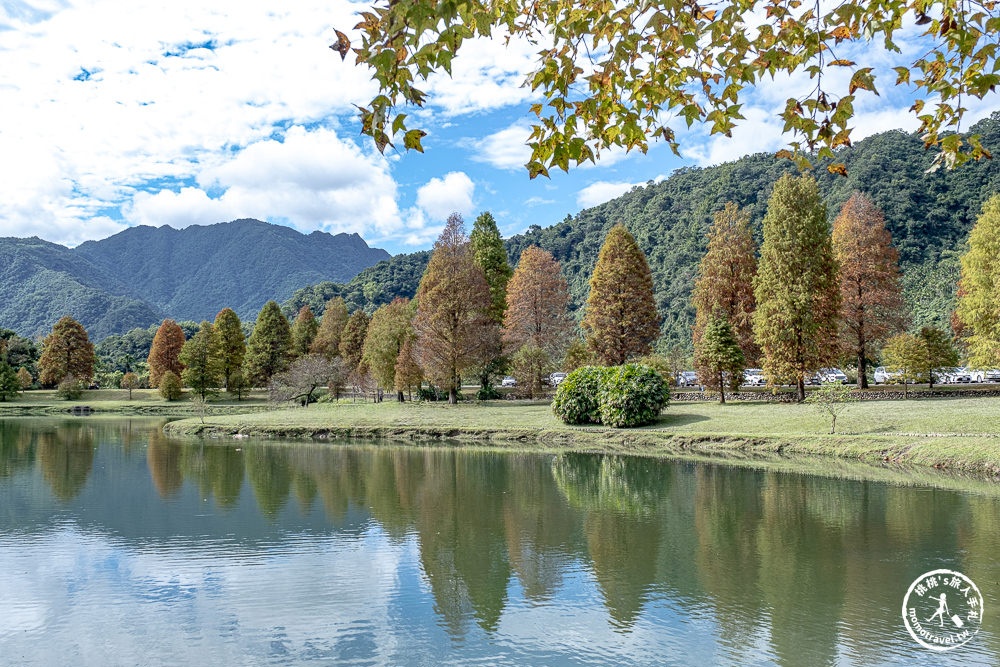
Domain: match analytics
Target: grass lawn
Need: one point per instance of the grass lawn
(143, 401)
(959, 433)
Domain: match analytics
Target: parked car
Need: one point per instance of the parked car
(832, 375)
(754, 377)
(814, 379)
(983, 375)
(956, 375)
(992, 375)
(882, 376)
(508, 381)
(556, 378)
(687, 379)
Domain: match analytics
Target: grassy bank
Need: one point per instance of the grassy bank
(959, 434)
(42, 402)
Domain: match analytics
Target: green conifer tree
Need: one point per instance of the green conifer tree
(718, 356)
(390, 328)
(202, 362)
(939, 353)
(490, 255)
(621, 321)
(304, 331)
(9, 384)
(269, 346)
(797, 285)
(232, 344)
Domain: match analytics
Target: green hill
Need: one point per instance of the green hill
(929, 215)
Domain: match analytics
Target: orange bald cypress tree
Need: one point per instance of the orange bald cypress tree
(165, 353)
(66, 351)
(871, 296)
(621, 321)
(304, 331)
(453, 310)
(724, 287)
(537, 304)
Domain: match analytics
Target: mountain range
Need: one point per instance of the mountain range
(143, 274)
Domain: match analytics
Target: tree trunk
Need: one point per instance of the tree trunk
(399, 397)
(722, 388)
(862, 371)
(801, 389)
(833, 424)
(452, 395)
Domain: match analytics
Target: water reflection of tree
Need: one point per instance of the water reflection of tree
(217, 471)
(65, 456)
(270, 477)
(163, 458)
(621, 498)
(17, 448)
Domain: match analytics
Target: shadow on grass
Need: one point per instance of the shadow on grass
(668, 419)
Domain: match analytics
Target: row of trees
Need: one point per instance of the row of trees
(816, 296)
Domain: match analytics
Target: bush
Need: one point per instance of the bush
(433, 394)
(576, 400)
(70, 389)
(170, 386)
(632, 395)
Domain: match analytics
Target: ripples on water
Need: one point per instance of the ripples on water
(118, 546)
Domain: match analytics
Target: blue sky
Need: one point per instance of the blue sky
(121, 113)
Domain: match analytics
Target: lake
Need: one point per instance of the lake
(120, 546)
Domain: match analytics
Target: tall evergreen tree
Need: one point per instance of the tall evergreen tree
(938, 353)
(903, 355)
(390, 328)
(232, 344)
(67, 350)
(352, 339)
(453, 311)
(202, 362)
(724, 286)
(979, 290)
(718, 355)
(621, 321)
(538, 304)
(871, 296)
(9, 384)
(408, 371)
(163, 355)
(268, 350)
(304, 331)
(327, 341)
(490, 255)
(797, 287)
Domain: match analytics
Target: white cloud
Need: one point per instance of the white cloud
(505, 149)
(440, 197)
(602, 191)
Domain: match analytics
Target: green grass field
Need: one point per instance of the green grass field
(960, 433)
(143, 401)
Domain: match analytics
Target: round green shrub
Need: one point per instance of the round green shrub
(71, 389)
(632, 395)
(576, 400)
(170, 386)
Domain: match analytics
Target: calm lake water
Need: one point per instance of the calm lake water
(119, 546)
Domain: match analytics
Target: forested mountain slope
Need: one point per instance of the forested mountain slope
(41, 281)
(929, 215)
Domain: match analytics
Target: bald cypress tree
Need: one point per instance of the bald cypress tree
(724, 287)
(352, 339)
(490, 256)
(453, 310)
(304, 331)
(979, 290)
(331, 326)
(202, 364)
(66, 351)
(232, 344)
(871, 294)
(391, 327)
(621, 321)
(797, 286)
(269, 347)
(164, 355)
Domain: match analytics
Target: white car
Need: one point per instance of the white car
(508, 381)
(687, 379)
(556, 378)
(956, 376)
(882, 376)
(754, 377)
(832, 375)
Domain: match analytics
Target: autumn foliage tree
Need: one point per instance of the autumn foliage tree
(304, 331)
(718, 356)
(871, 296)
(269, 347)
(231, 343)
(938, 353)
(67, 350)
(391, 327)
(538, 304)
(490, 255)
(621, 321)
(979, 290)
(724, 287)
(409, 375)
(453, 312)
(331, 325)
(352, 339)
(797, 287)
(164, 355)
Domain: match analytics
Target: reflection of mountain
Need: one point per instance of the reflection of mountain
(778, 567)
